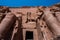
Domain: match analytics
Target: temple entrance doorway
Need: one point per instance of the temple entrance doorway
(29, 35)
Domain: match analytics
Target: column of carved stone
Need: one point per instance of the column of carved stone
(40, 37)
(6, 24)
(52, 22)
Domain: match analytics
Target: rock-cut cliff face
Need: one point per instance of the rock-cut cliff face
(30, 23)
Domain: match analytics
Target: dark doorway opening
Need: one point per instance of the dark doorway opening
(29, 35)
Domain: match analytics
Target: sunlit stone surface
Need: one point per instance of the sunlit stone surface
(30, 23)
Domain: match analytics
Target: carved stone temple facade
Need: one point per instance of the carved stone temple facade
(30, 23)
